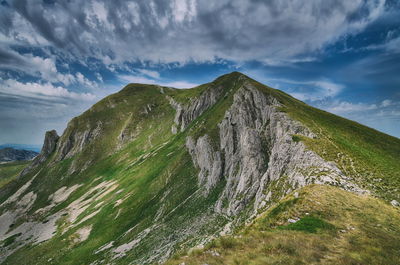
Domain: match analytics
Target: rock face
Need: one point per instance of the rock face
(50, 142)
(187, 113)
(72, 141)
(258, 156)
(10, 154)
(208, 160)
(49, 145)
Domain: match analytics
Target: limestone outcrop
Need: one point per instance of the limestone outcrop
(49, 145)
(258, 155)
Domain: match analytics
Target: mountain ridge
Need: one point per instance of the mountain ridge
(9, 154)
(176, 168)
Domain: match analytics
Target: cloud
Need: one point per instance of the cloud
(312, 90)
(187, 30)
(41, 67)
(344, 107)
(153, 74)
(390, 45)
(383, 115)
(144, 80)
(387, 103)
(29, 109)
(41, 91)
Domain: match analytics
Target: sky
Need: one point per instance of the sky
(57, 58)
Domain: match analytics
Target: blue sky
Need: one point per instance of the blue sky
(57, 58)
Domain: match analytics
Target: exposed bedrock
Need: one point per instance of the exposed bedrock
(187, 113)
(257, 150)
(49, 145)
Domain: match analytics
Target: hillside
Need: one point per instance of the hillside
(314, 225)
(10, 154)
(150, 171)
(9, 171)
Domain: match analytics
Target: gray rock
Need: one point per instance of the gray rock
(208, 160)
(74, 140)
(293, 220)
(395, 203)
(50, 142)
(257, 152)
(187, 113)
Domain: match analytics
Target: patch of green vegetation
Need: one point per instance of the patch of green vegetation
(281, 207)
(296, 138)
(227, 242)
(9, 171)
(9, 240)
(184, 96)
(308, 224)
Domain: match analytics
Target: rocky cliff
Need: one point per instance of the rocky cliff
(49, 145)
(257, 149)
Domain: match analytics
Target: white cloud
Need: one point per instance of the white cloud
(42, 67)
(387, 103)
(387, 109)
(183, 9)
(41, 91)
(179, 84)
(153, 74)
(99, 77)
(144, 80)
(312, 90)
(384, 115)
(136, 79)
(189, 30)
(344, 107)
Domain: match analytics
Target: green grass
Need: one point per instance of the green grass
(9, 171)
(335, 227)
(9, 240)
(308, 224)
(144, 171)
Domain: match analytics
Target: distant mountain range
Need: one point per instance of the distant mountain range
(29, 147)
(10, 154)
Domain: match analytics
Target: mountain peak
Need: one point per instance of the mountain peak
(173, 168)
(231, 76)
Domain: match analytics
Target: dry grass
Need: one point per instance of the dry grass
(358, 230)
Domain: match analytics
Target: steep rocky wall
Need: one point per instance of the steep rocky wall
(188, 112)
(50, 142)
(73, 141)
(257, 152)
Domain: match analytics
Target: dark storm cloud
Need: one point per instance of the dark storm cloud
(10, 58)
(184, 30)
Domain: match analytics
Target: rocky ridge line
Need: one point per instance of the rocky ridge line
(256, 152)
(50, 143)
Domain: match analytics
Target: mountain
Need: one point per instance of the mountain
(29, 147)
(151, 172)
(10, 154)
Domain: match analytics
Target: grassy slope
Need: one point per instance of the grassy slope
(9, 171)
(145, 172)
(335, 227)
